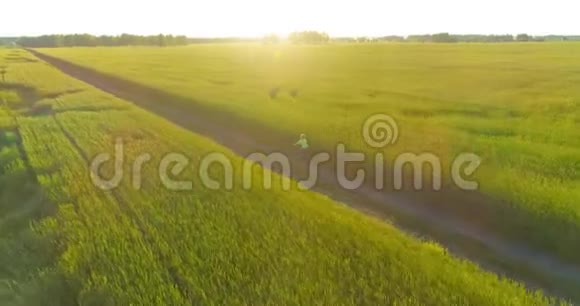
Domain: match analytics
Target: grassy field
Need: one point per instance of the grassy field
(515, 105)
(65, 242)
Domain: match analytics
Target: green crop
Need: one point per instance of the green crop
(515, 105)
(154, 246)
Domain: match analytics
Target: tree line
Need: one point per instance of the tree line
(303, 37)
(321, 37)
(4, 41)
(455, 38)
(308, 37)
(87, 40)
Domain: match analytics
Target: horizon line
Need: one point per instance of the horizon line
(262, 36)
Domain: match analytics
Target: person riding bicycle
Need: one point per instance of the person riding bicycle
(302, 142)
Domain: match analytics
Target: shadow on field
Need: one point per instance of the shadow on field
(28, 275)
(19, 59)
(28, 95)
(465, 222)
(29, 98)
(27, 272)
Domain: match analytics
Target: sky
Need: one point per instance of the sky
(254, 18)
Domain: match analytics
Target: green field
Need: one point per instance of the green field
(515, 105)
(65, 242)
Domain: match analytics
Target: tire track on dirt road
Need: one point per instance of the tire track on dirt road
(461, 221)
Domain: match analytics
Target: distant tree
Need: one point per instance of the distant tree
(107, 40)
(443, 38)
(501, 38)
(309, 37)
(162, 40)
(419, 38)
(181, 40)
(523, 37)
(87, 40)
(392, 38)
(344, 39)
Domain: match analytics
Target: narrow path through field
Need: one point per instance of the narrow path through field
(458, 220)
